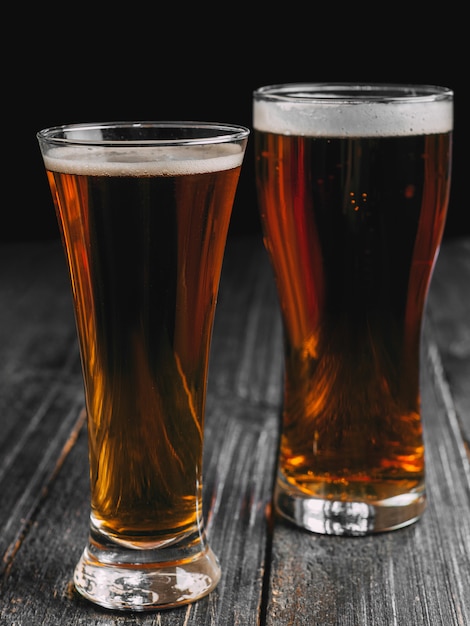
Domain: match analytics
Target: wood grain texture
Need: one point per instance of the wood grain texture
(273, 574)
(40, 386)
(449, 312)
(240, 450)
(419, 575)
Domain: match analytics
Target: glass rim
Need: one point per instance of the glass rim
(346, 92)
(69, 134)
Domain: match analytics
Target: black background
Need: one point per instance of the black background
(141, 63)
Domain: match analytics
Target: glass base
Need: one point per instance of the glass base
(342, 517)
(118, 577)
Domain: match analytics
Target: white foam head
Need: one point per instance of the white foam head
(143, 148)
(315, 110)
(143, 161)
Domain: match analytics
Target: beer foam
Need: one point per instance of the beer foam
(361, 119)
(143, 160)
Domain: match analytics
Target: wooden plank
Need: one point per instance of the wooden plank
(40, 382)
(246, 352)
(419, 575)
(449, 310)
(241, 440)
(39, 581)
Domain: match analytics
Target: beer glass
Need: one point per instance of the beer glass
(144, 210)
(353, 186)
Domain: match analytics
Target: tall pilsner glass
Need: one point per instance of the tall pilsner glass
(353, 186)
(144, 210)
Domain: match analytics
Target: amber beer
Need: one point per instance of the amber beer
(144, 229)
(353, 191)
(145, 273)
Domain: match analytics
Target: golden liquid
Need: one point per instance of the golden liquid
(352, 227)
(145, 255)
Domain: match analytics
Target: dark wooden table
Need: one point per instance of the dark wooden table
(273, 574)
